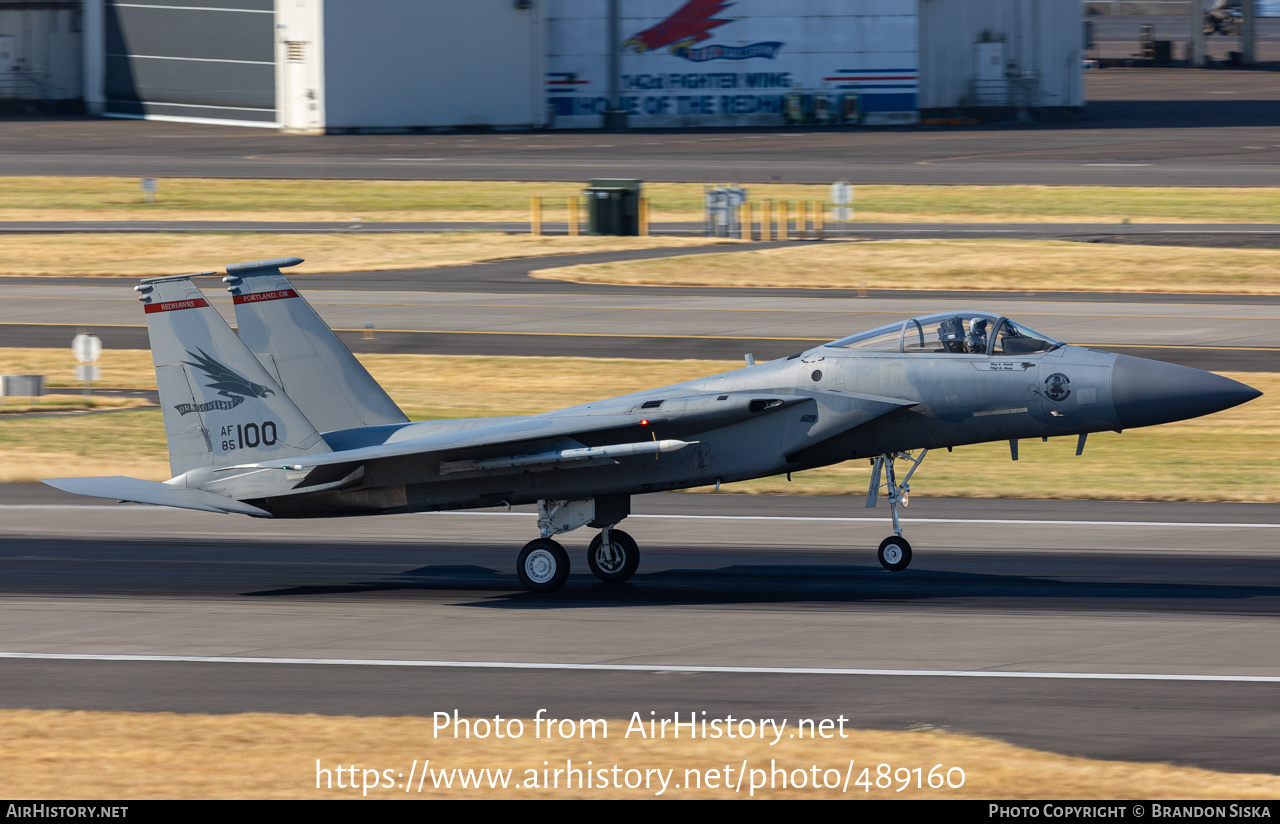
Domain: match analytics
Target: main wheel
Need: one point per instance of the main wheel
(543, 565)
(894, 553)
(615, 562)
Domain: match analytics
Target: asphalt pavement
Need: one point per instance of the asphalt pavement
(1140, 127)
(1139, 631)
(499, 309)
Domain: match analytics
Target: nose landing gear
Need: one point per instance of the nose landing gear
(894, 553)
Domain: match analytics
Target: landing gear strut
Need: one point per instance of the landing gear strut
(894, 553)
(543, 565)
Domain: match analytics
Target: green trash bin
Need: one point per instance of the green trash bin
(613, 207)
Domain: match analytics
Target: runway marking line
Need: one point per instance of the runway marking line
(711, 670)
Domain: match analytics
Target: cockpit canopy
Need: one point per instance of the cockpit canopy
(959, 333)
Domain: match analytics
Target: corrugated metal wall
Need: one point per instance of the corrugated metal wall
(1038, 42)
(40, 50)
(191, 59)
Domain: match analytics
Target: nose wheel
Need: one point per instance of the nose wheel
(613, 556)
(543, 565)
(894, 553)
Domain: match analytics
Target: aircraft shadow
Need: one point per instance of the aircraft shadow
(814, 583)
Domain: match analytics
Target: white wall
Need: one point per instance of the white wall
(1042, 45)
(738, 71)
(299, 41)
(431, 63)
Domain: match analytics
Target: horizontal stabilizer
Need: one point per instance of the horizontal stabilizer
(120, 488)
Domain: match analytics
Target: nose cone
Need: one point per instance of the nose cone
(1147, 392)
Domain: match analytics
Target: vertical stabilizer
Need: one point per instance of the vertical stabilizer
(316, 370)
(221, 407)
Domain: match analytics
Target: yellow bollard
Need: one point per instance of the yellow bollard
(535, 208)
(573, 217)
(766, 220)
(644, 217)
(802, 218)
(784, 219)
(818, 217)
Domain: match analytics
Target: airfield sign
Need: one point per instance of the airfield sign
(841, 196)
(87, 348)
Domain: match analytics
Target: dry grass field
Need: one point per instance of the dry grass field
(1000, 265)
(134, 756)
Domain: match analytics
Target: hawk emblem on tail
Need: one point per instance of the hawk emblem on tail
(225, 380)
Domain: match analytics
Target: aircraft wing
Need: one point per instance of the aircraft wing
(512, 433)
(631, 420)
(598, 432)
(120, 488)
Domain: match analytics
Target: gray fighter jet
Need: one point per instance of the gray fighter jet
(284, 422)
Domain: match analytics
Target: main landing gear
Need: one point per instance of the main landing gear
(894, 553)
(613, 556)
(543, 564)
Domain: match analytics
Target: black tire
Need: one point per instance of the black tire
(894, 553)
(543, 565)
(621, 565)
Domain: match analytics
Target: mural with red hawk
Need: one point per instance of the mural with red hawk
(690, 24)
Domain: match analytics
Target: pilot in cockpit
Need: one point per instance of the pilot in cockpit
(976, 341)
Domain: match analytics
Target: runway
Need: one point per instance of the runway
(1101, 592)
(498, 309)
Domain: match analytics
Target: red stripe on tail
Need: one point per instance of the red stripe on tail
(174, 305)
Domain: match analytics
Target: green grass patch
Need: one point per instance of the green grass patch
(102, 198)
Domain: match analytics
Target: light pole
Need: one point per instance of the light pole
(615, 118)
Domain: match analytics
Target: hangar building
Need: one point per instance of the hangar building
(338, 65)
(40, 49)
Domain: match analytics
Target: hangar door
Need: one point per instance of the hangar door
(208, 60)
